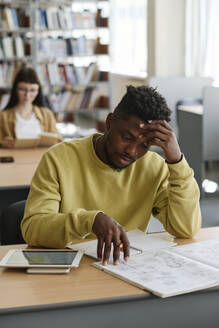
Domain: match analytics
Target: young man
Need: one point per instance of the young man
(107, 184)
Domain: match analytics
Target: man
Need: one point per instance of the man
(107, 184)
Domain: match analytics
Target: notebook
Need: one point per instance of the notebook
(171, 271)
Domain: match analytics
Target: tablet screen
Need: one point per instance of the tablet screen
(29, 258)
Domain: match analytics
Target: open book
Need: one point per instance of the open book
(45, 139)
(173, 271)
(139, 242)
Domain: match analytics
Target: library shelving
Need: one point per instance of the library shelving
(67, 42)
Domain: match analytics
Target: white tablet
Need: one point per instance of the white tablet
(18, 258)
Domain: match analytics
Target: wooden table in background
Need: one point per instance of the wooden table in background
(88, 297)
(15, 177)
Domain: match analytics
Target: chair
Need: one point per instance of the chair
(10, 224)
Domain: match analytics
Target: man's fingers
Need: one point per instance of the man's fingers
(100, 249)
(107, 250)
(116, 249)
(125, 245)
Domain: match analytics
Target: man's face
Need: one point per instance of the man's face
(125, 141)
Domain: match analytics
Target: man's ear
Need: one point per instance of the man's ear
(109, 120)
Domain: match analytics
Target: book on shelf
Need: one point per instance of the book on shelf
(100, 20)
(8, 70)
(79, 74)
(63, 100)
(94, 99)
(23, 16)
(52, 17)
(62, 20)
(45, 139)
(86, 97)
(69, 17)
(14, 18)
(171, 271)
(71, 103)
(41, 19)
(69, 74)
(2, 51)
(7, 42)
(8, 22)
(19, 46)
(91, 73)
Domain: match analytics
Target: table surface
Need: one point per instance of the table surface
(85, 283)
(20, 172)
(196, 109)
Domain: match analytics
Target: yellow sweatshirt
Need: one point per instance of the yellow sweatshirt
(71, 185)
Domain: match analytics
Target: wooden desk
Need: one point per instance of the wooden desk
(88, 297)
(15, 177)
(21, 157)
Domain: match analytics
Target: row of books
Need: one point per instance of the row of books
(64, 18)
(55, 74)
(18, 46)
(62, 74)
(74, 100)
(15, 46)
(69, 101)
(14, 18)
(62, 47)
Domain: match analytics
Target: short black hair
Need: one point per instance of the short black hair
(143, 102)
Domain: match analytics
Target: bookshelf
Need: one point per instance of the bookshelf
(67, 42)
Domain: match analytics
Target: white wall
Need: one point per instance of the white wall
(169, 35)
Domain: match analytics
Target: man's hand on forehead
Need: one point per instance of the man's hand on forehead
(159, 133)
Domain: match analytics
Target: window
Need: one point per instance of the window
(129, 37)
(202, 47)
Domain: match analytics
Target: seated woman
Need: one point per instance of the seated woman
(24, 116)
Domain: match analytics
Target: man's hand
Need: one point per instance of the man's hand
(159, 133)
(108, 231)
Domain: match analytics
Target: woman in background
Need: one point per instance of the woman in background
(24, 116)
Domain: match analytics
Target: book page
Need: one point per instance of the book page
(143, 241)
(164, 273)
(204, 251)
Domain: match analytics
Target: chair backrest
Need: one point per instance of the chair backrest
(177, 88)
(10, 224)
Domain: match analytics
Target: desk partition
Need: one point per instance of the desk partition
(199, 132)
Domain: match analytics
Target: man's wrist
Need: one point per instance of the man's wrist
(175, 162)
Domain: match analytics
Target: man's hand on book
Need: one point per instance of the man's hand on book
(109, 232)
